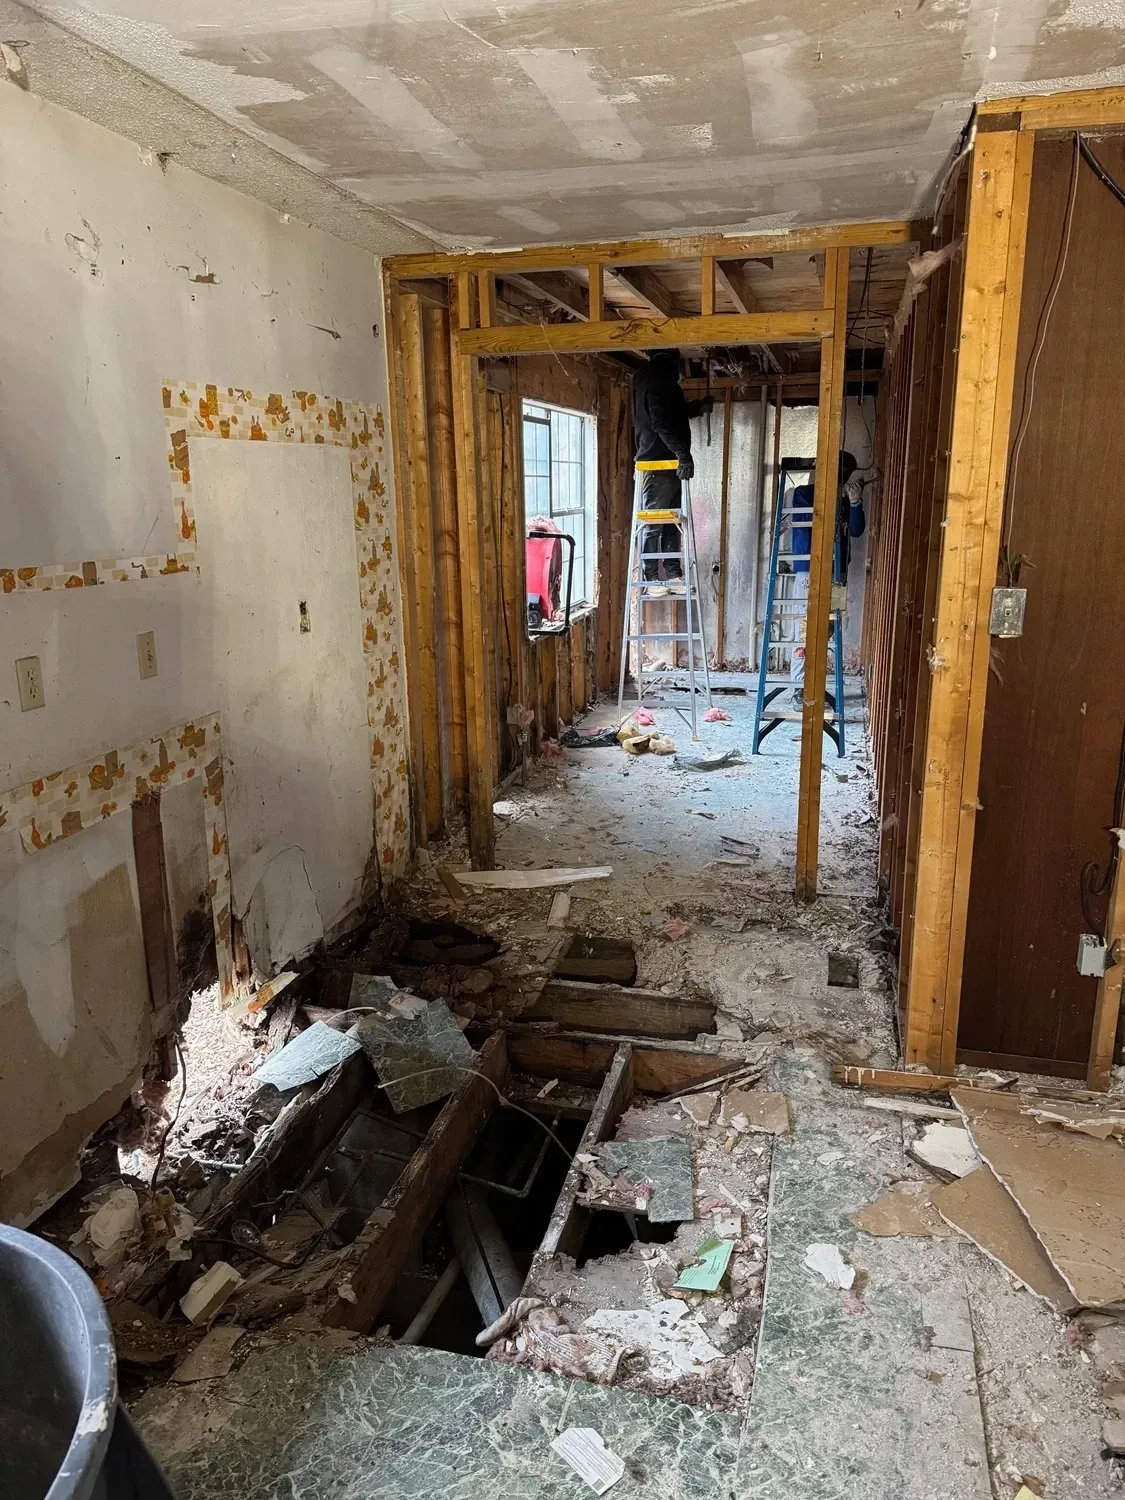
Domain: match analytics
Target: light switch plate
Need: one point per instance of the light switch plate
(30, 679)
(146, 653)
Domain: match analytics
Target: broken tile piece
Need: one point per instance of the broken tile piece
(946, 1315)
(755, 1110)
(699, 1107)
(586, 1453)
(906, 1209)
(310, 1055)
(408, 1053)
(211, 1358)
(666, 1164)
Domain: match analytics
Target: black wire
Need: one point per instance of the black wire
(1091, 881)
(863, 294)
(172, 1121)
(1100, 172)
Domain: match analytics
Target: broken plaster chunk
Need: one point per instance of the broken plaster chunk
(699, 1107)
(211, 1358)
(830, 1263)
(209, 1292)
(753, 1110)
(1113, 1434)
(947, 1150)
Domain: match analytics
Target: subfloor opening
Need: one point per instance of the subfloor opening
(611, 1233)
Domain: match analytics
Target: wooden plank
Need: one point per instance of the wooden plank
(462, 298)
(1082, 109)
(447, 557)
(486, 298)
(999, 190)
(648, 333)
(569, 1220)
(659, 1067)
(902, 1082)
(557, 288)
(595, 296)
(1107, 1008)
(1020, 1062)
(652, 252)
(818, 618)
(724, 529)
(547, 651)
(564, 678)
(471, 528)
(578, 664)
(426, 752)
(153, 900)
(394, 1231)
(707, 286)
(646, 285)
(733, 279)
(620, 1009)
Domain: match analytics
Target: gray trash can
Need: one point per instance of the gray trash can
(63, 1433)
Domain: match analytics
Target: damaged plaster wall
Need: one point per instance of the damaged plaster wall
(121, 275)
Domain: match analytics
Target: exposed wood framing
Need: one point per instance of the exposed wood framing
(997, 229)
(646, 285)
(555, 287)
(647, 333)
(1107, 1009)
(659, 1067)
(818, 618)
(1083, 109)
(394, 1230)
(733, 279)
(595, 295)
(653, 252)
(902, 1082)
(476, 653)
(486, 298)
(724, 526)
(707, 287)
(617, 1008)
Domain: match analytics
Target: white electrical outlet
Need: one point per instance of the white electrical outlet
(30, 679)
(146, 653)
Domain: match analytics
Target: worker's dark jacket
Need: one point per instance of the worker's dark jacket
(660, 423)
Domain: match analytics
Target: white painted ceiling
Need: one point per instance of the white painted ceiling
(537, 120)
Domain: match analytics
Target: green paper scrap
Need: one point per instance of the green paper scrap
(713, 1258)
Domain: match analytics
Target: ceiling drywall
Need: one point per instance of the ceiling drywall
(536, 120)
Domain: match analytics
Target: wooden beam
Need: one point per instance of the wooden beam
(1107, 1008)
(659, 1067)
(477, 662)
(486, 298)
(646, 285)
(447, 549)
(419, 543)
(462, 299)
(1000, 186)
(620, 1009)
(707, 286)
(652, 252)
(595, 297)
(819, 617)
(901, 1082)
(1082, 109)
(733, 279)
(394, 1231)
(724, 526)
(645, 333)
(569, 1220)
(555, 287)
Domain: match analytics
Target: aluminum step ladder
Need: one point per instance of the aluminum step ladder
(639, 592)
(787, 610)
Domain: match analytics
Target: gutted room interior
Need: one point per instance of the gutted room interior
(562, 775)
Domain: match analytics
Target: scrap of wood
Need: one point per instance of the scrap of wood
(913, 1108)
(986, 1213)
(393, 1231)
(527, 880)
(620, 1009)
(659, 1067)
(906, 1209)
(900, 1081)
(453, 886)
(1070, 1187)
(560, 909)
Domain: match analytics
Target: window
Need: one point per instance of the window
(560, 482)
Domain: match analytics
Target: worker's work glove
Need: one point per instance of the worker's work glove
(685, 469)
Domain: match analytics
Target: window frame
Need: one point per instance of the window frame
(535, 413)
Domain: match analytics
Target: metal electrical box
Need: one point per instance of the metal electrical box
(1006, 615)
(1093, 959)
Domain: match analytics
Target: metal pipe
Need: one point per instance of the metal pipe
(428, 1311)
(483, 1252)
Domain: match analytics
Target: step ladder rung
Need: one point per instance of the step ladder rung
(665, 635)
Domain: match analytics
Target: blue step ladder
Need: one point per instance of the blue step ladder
(785, 609)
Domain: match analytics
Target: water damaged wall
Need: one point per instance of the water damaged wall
(152, 319)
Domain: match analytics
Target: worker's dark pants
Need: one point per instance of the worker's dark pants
(660, 490)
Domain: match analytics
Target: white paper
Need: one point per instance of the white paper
(588, 1456)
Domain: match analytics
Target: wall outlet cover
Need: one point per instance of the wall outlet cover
(146, 653)
(30, 679)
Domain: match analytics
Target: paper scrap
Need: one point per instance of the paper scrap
(827, 1260)
(583, 1449)
(713, 1258)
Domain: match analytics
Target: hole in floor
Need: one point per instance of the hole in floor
(611, 1232)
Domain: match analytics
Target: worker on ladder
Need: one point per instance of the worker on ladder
(850, 522)
(661, 415)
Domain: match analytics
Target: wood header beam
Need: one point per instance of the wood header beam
(645, 333)
(1081, 109)
(651, 252)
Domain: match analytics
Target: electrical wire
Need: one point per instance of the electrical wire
(1033, 363)
(1091, 882)
(172, 1121)
(1100, 172)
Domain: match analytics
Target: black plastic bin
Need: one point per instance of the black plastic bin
(63, 1433)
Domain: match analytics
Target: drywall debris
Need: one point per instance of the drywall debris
(526, 880)
(946, 1150)
(699, 1107)
(713, 762)
(211, 1358)
(310, 1055)
(1113, 1435)
(673, 1343)
(917, 1108)
(986, 1213)
(1069, 1185)
(749, 1110)
(14, 65)
(828, 1262)
(586, 1453)
(946, 1317)
(907, 1209)
(111, 1228)
(208, 1292)
(1084, 1119)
